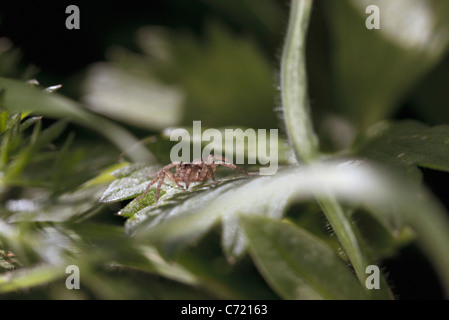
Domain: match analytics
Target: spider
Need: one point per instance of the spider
(196, 171)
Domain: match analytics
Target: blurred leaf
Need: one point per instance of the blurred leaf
(264, 16)
(38, 206)
(227, 281)
(298, 265)
(226, 80)
(10, 58)
(105, 176)
(379, 239)
(38, 140)
(406, 145)
(429, 99)
(374, 69)
(19, 96)
(28, 278)
(132, 98)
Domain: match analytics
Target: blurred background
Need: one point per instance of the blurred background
(218, 61)
(149, 65)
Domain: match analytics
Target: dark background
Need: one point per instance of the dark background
(38, 28)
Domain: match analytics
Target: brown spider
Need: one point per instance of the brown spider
(196, 171)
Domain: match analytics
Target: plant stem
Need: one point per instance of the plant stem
(294, 92)
(294, 84)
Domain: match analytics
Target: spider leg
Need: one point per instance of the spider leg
(191, 174)
(149, 186)
(186, 177)
(173, 178)
(211, 158)
(212, 174)
(232, 166)
(160, 175)
(203, 174)
(158, 191)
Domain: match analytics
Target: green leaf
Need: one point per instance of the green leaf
(36, 205)
(133, 98)
(37, 141)
(406, 145)
(374, 69)
(264, 17)
(18, 97)
(105, 176)
(30, 277)
(296, 264)
(133, 181)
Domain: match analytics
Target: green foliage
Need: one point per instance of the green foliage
(70, 178)
(296, 264)
(18, 97)
(408, 145)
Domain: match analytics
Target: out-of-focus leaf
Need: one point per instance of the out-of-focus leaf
(18, 97)
(158, 265)
(429, 99)
(38, 140)
(265, 16)
(375, 68)
(35, 205)
(10, 58)
(406, 145)
(28, 278)
(105, 176)
(379, 240)
(132, 98)
(35, 243)
(14, 161)
(225, 78)
(296, 264)
(215, 274)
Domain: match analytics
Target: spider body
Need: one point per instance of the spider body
(187, 173)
